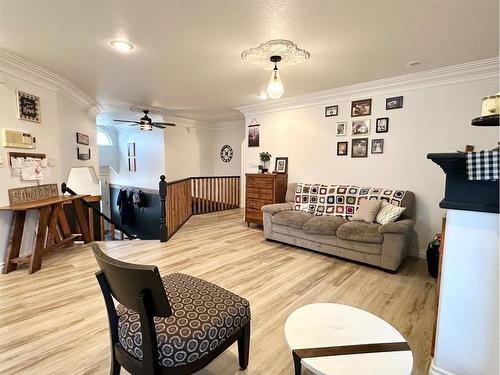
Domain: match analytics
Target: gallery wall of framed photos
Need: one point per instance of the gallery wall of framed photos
(360, 125)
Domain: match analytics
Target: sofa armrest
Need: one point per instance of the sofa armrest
(277, 207)
(400, 226)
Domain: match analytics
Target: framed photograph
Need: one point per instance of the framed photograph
(394, 102)
(360, 127)
(132, 166)
(82, 139)
(253, 136)
(84, 155)
(332, 110)
(359, 148)
(377, 146)
(341, 129)
(131, 149)
(281, 165)
(342, 148)
(382, 125)
(28, 107)
(361, 108)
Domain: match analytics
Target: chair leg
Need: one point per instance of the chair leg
(244, 346)
(115, 366)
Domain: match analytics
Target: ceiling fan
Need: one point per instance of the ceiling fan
(145, 123)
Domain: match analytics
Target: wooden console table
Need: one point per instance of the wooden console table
(52, 232)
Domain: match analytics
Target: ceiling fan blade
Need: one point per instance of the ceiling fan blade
(134, 122)
(164, 123)
(156, 125)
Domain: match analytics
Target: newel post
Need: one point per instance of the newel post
(163, 211)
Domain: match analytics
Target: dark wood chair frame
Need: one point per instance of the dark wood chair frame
(140, 288)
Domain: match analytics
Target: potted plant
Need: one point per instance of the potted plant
(264, 158)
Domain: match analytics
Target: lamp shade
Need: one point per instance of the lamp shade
(275, 87)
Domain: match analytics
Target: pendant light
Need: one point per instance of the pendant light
(275, 87)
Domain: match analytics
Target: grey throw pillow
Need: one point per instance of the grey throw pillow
(367, 211)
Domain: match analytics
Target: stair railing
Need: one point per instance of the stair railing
(124, 234)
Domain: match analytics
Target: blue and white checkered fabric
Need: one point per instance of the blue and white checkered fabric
(482, 165)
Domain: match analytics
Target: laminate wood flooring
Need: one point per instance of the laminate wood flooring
(54, 321)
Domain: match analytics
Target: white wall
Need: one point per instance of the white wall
(231, 134)
(193, 149)
(150, 158)
(55, 137)
(435, 118)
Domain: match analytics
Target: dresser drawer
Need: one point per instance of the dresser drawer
(253, 192)
(266, 194)
(262, 182)
(257, 203)
(253, 214)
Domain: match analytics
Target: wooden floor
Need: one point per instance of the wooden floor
(53, 322)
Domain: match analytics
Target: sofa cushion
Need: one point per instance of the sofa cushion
(359, 231)
(323, 225)
(367, 211)
(294, 219)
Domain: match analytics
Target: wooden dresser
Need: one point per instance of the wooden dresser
(262, 189)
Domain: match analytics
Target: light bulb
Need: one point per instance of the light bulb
(275, 87)
(122, 46)
(146, 127)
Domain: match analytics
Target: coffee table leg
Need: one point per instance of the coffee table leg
(297, 363)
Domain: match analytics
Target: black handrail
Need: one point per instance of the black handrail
(66, 189)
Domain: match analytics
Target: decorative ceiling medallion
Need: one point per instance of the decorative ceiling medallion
(288, 51)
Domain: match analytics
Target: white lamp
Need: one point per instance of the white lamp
(275, 87)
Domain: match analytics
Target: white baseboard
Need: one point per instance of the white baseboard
(434, 370)
(418, 253)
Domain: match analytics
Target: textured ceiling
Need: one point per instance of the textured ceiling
(187, 53)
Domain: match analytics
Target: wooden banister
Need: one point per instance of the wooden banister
(195, 195)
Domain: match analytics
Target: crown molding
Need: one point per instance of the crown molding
(471, 71)
(234, 124)
(19, 67)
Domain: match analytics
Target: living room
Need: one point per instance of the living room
(311, 186)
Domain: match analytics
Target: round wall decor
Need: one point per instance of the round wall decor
(226, 153)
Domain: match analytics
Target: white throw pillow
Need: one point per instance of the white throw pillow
(388, 213)
(367, 211)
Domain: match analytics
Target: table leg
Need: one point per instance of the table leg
(63, 222)
(80, 219)
(15, 240)
(51, 235)
(297, 363)
(37, 253)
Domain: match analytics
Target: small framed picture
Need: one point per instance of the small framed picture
(360, 127)
(28, 107)
(253, 136)
(361, 108)
(382, 125)
(342, 148)
(332, 110)
(132, 166)
(82, 139)
(377, 146)
(394, 102)
(359, 148)
(131, 149)
(341, 129)
(281, 165)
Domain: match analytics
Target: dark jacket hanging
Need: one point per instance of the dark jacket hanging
(126, 206)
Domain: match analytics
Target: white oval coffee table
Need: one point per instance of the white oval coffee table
(329, 338)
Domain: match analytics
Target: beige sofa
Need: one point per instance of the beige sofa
(384, 246)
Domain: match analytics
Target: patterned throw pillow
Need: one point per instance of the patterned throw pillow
(388, 213)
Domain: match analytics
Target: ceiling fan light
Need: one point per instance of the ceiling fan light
(275, 87)
(146, 127)
(122, 45)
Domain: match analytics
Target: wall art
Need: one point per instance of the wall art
(359, 148)
(332, 110)
(361, 107)
(394, 102)
(82, 139)
(28, 107)
(377, 146)
(360, 127)
(341, 129)
(382, 125)
(342, 148)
